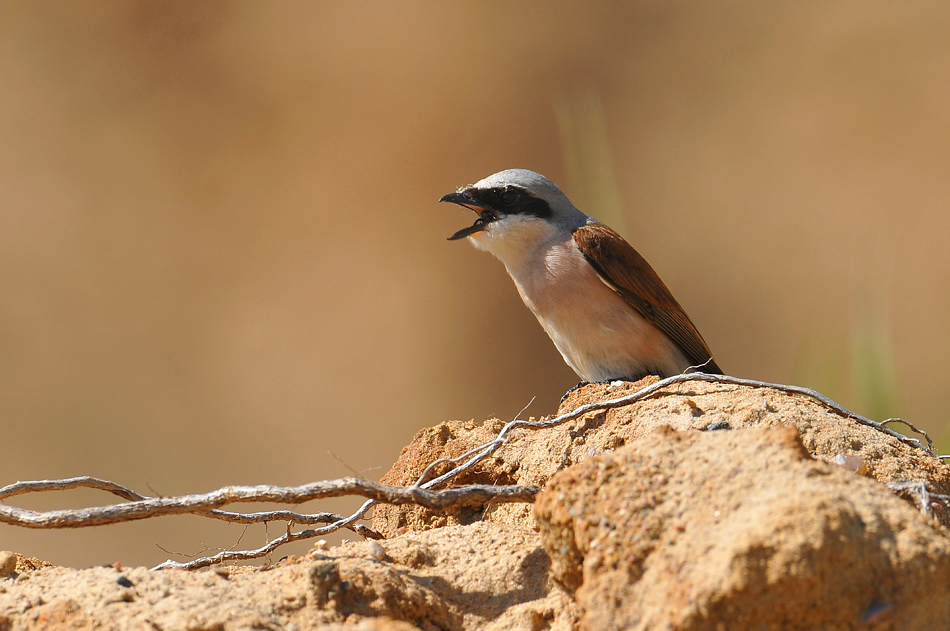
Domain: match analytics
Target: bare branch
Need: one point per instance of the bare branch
(290, 516)
(698, 376)
(288, 537)
(37, 486)
(922, 496)
(84, 482)
(156, 506)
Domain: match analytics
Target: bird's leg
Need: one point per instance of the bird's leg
(605, 382)
(580, 384)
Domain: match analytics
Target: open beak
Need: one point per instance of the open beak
(464, 198)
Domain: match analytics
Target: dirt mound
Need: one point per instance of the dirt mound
(704, 506)
(474, 577)
(687, 530)
(531, 457)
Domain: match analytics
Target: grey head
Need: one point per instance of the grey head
(512, 198)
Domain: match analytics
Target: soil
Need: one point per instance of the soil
(705, 506)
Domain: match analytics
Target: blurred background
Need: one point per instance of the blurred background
(222, 260)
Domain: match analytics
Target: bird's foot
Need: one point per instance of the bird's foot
(580, 384)
(606, 382)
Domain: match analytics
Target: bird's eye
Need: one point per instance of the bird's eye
(508, 198)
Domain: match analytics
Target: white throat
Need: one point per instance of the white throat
(516, 239)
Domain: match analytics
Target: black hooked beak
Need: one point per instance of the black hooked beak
(485, 216)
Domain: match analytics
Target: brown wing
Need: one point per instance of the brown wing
(631, 276)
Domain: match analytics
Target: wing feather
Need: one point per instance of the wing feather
(628, 273)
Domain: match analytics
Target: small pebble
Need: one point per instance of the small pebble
(7, 564)
(124, 581)
(377, 551)
(852, 462)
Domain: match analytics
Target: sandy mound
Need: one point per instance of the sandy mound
(532, 456)
(650, 520)
(686, 530)
(473, 577)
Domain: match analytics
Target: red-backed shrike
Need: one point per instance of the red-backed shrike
(603, 306)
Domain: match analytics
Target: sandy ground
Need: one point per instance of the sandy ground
(702, 506)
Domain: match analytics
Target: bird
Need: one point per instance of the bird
(600, 302)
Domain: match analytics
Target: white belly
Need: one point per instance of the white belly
(599, 335)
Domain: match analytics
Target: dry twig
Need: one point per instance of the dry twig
(139, 506)
(146, 507)
(922, 496)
